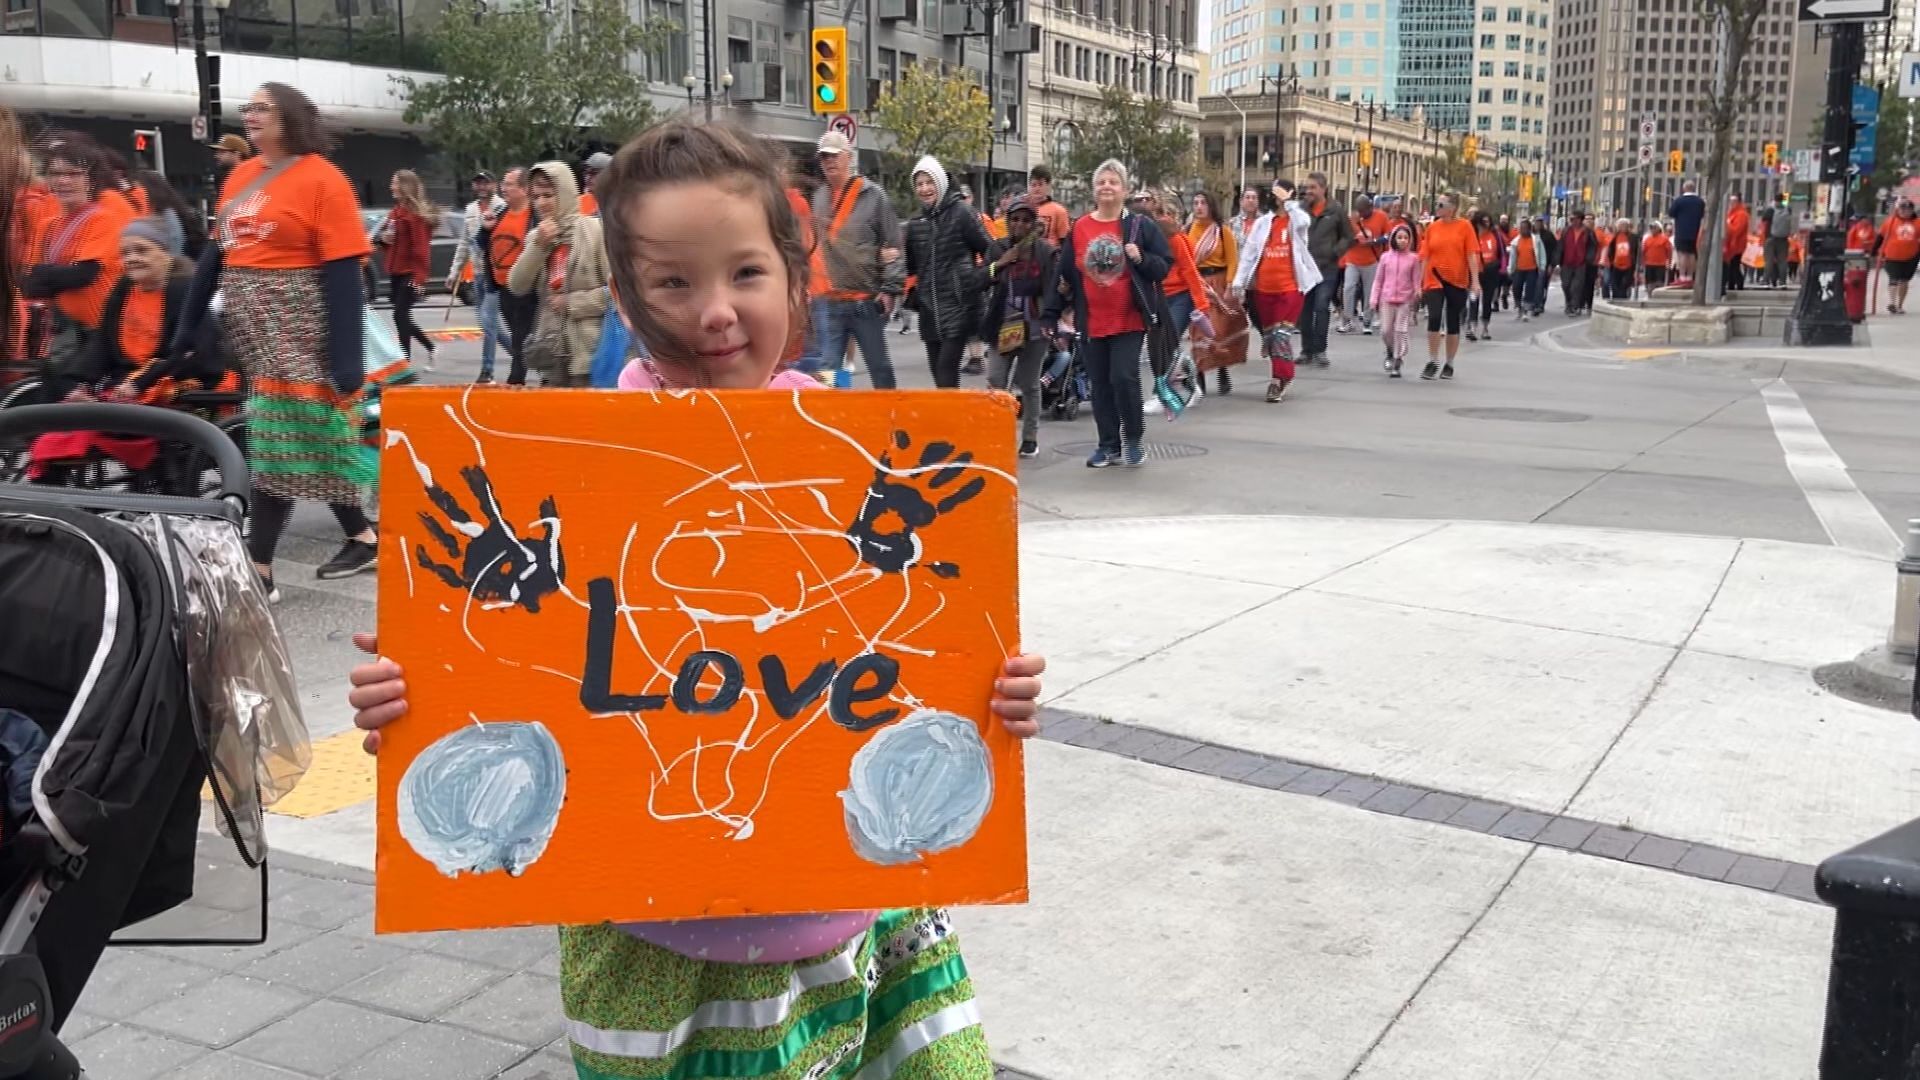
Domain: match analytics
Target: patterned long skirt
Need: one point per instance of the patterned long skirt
(303, 439)
(893, 1004)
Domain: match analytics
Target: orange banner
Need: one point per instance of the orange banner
(673, 655)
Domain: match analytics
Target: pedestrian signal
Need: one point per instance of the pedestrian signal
(1676, 161)
(830, 69)
(1770, 155)
(1366, 153)
(146, 149)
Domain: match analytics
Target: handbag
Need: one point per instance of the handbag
(381, 346)
(1013, 334)
(546, 350)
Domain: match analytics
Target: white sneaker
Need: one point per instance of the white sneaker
(1151, 406)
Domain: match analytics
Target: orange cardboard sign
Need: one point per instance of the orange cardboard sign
(672, 655)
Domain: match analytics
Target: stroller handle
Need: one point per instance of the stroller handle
(27, 421)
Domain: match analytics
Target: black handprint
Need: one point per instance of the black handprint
(497, 565)
(894, 550)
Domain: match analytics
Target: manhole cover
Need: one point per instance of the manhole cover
(1156, 451)
(1522, 416)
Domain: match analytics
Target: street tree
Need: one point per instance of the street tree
(1140, 132)
(1731, 95)
(520, 83)
(927, 111)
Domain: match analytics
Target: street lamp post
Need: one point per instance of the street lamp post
(1158, 49)
(1240, 148)
(1279, 87)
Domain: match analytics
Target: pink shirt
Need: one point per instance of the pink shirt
(1397, 281)
(753, 939)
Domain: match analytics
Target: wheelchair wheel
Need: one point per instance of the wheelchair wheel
(13, 454)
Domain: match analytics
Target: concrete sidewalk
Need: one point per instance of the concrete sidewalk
(1320, 798)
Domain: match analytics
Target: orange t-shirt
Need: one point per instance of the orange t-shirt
(1448, 248)
(1657, 250)
(92, 235)
(38, 211)
(140, 320)
(1796, 248)
(1185, 275)
(589, 206)
(1365, 231)
(1523, 253)
(1860, 236)
(137, 196)
(504, 244)
(1623, 252)
(1738, 223)
(1275, 273)
(1900, 238)
(303, 218)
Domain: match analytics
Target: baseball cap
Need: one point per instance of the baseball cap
(834, 143)
(482, 175)
(232, 144)
(599, 161)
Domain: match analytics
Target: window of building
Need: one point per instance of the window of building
(1513, 42)
(1101, 69)
(1510, 96)
(1371, 12)
(1370, 38)
(1486, 69)
(1488, 14)
(1486, 41)
(1483, 122)
(1369, 67)
(1346, 12)
(1485, 96)
(1346, 39)
(1343, 67)
(1514, 14)
(1509, 123)
(1511, 69)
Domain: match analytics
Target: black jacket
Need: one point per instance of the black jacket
(1328, 238)
(1144, 276)
(948, 281)
(1034, 277)
(101, 363)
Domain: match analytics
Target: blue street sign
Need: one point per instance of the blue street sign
(1560, 192)
(1866, 104)
(1863, 144)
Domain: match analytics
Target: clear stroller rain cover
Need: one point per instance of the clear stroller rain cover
(246, 705)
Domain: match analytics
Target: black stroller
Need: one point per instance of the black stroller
(107, 729)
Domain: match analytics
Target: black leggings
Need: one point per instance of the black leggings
(270, 514)
(1446, 303)
(1489, 295)
(519, 313)
(943, 358)
(404, 297)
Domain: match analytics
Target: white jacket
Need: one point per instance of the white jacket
(1305, 273)
(463, 253)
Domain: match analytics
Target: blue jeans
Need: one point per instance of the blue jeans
(1529, 290)
(492, 329)
(835, 321)
(1314, 320)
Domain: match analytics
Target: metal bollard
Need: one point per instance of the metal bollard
(1873, 981)
(1905, 635)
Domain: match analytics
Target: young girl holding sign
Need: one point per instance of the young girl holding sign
(709, 266)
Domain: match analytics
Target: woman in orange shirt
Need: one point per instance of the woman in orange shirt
(1216, 251)
(288, 241)
(1186, 297)
(1656, 254)
(79, 259)
(1899, 252)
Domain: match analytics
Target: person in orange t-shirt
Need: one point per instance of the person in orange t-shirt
(79, 257)
(1450, 271)
(1359, 264)
(1899, 253)
(1734, 244)
(506, 239)
(287, 246)
(1656, 255)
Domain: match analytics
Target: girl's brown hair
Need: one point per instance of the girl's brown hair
(413, 196)
(678, 152)
(301, 129)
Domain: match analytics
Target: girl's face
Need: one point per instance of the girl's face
(545, 202)
(146, 262)
(393, 188)
(1402, 241)
(709, 272)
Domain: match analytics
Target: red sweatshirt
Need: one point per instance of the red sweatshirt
(410, 255)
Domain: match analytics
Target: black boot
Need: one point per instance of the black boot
(1226, 381)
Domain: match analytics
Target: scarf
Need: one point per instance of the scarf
(1208, 243)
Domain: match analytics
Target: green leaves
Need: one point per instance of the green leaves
(1141, 132)
(520, 84)
(928, 112)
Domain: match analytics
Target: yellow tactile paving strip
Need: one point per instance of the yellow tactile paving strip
(1643, 354)
(341, 776)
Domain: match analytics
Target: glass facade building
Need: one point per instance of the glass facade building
(1434, 67)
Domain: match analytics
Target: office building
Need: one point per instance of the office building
(106, 67)
(1619, 64)
(1464, 66)
(1147, 46)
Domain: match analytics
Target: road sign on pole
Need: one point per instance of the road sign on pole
(1646, 153)
(846, 125)
(1910, 75)
(1845, 10)
(1646, 129)
(199, 127)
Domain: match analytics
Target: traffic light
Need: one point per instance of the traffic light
(146, 149)
(1526, 187)
(1770, 155)
(830, 69)
(1676, 161)
(1470, 149)
(1366, 153)
(1586, 194)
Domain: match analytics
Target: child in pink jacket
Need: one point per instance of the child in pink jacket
(1396, 295)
